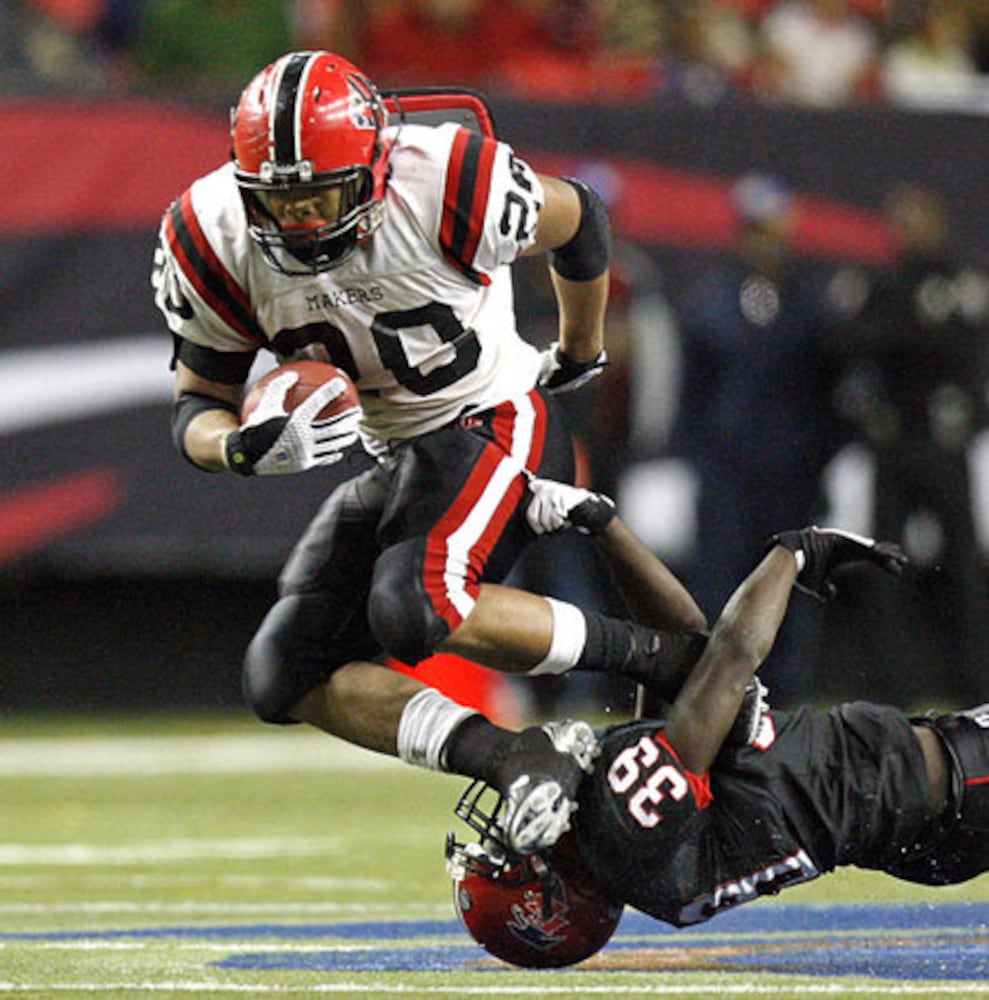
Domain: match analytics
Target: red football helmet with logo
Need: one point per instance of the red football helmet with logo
(311, 160)
(539, 911)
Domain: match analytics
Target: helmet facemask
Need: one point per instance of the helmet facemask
(318, 241)
(489, 857)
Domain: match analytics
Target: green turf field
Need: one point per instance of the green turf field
(220, 857)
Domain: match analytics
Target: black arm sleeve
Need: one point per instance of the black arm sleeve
(587, 253)
(228, 367)
(187, 407)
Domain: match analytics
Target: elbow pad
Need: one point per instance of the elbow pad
(586, 254)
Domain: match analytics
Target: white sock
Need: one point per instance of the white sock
(425, 725)
(569, 637)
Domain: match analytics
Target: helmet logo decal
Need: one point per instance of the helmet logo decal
(540, 920)
(362, 103)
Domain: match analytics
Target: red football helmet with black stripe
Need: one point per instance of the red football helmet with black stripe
(311, 160)
(538, 911)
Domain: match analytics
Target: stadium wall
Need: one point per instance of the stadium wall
(126, 577)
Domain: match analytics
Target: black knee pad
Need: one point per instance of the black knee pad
(267, 683)
(399, 610)
(293, 652)
(963, 850)
(966, 735)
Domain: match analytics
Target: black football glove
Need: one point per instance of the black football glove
(826, 549)
(559, 373)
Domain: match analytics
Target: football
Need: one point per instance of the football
(311, 375)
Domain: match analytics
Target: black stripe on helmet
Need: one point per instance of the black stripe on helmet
(284, 126)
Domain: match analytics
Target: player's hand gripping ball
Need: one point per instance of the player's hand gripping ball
(298, 416)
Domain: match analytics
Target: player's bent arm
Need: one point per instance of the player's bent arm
(202, 437)
(708, 703)
(582, 306)
(653, 594)
(573, 227)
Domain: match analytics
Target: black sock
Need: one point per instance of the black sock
(475, 748)
(660, 659)
(607, 646)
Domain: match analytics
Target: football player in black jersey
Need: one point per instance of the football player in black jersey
(687, 815)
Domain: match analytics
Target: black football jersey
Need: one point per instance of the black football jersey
(815, 790)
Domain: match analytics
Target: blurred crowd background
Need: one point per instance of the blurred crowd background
(821, 53)
(798, 327)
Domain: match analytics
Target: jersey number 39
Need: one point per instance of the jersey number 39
(639, 773)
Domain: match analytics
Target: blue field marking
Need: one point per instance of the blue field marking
(945, 941)
(922, 959)
(460, 957)
(751, 920)
(901, 961)
(948, 941)
(908, 942)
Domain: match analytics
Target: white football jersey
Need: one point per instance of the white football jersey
(422, 315)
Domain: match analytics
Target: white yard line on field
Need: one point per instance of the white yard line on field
(224, 947)
(158, 851)
(578, 989)
(221, 753)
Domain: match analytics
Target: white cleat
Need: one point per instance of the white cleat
(575, 738)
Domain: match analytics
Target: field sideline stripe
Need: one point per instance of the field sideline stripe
(398, 911)
(389, 988)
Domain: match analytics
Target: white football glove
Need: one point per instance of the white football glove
(559, 373)
(555, 506)
(274, 441)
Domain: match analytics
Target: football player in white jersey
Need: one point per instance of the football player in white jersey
(386, 249)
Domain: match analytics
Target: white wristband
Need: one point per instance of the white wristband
(569, 638)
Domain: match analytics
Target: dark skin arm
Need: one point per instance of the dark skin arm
(710, 698)
(654, 596)
(705, 709)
